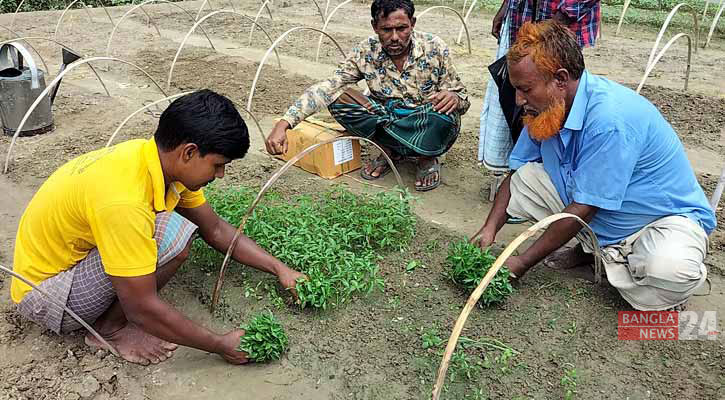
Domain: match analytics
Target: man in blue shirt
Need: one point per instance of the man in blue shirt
(598, 150)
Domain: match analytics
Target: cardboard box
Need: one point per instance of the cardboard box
(328, 161)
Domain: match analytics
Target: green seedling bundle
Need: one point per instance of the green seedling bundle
(334, 238)
(467, 264)
(264, 338)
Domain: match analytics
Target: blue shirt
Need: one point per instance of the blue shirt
(618, 153)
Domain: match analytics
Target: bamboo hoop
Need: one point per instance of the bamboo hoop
(12, 20)
(327, 21)
(168, 98)
(273, 47)
(621, 17)
(473, 299)
(17, 37)
(62, 14)
(55, 82)
(64, 307)
(270, 182)
(110, 37)
(714, 22)
(651, 66)
(198, 13)
(717, 193)
(468, 14)
(667, 23)
(319, 10)
(198, 23)
(256, 18)
(25, 39)
(463, 21)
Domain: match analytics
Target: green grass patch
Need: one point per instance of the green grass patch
(467, 264)
(264, 338)
(335, 238)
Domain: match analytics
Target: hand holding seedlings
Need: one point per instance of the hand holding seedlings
(229, 348)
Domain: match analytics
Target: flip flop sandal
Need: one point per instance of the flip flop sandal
(375, 164)
(420, 174)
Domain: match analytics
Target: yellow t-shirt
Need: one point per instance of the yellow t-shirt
(107, 199)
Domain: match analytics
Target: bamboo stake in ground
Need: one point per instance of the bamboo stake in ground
(270, 182)
(68, 310)
(473, 299)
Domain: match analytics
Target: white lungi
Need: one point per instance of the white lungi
(654, 269)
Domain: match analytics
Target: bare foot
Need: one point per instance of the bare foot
(569, 258)
(135, 345)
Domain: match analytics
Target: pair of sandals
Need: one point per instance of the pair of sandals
(420, 174)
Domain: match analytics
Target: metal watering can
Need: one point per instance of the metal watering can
(20, 85)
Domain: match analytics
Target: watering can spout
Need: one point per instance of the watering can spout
(69, 57)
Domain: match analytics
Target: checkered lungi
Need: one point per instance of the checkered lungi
(406, 130)
(86, 288)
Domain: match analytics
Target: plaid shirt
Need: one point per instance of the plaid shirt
(429, 69)
(585, 16)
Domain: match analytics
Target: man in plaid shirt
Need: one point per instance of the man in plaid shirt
(581, 17)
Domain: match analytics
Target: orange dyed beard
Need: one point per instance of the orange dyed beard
(548, 123)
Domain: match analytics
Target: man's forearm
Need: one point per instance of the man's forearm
(164, 321)
(497, 217)
(557, 234)
(246, 251)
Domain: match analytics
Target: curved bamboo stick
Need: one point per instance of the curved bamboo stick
(270, 182)
(319, 10)
(621, 17)
(85, 7)
(18, 37)
(324, 27)
(204, 18)
(704, 12)
(55, 82)
(717, 193)
(256, 18)
(327, 7)
(714, 22)
(473, 299)
(468, 14)
(64, 307)
(12, 20)
(463, 21)
(105, 10)
(25, 39)
(110, 37)
(651, 66)
(273, 47)
(198, 13)
(664, 28)
(174, 96)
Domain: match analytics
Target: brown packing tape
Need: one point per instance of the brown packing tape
(322, 160)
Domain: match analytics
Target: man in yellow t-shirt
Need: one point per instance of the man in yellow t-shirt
(109, 229)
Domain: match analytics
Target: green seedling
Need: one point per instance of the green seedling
(467, 264)
(264, 338)
(568, 382)
(412, 265)
(335, 238)
(431, 339)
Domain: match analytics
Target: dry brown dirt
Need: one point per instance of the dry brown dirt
(371, 348)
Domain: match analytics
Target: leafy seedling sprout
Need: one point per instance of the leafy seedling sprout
(467, 264)
(264, 338)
